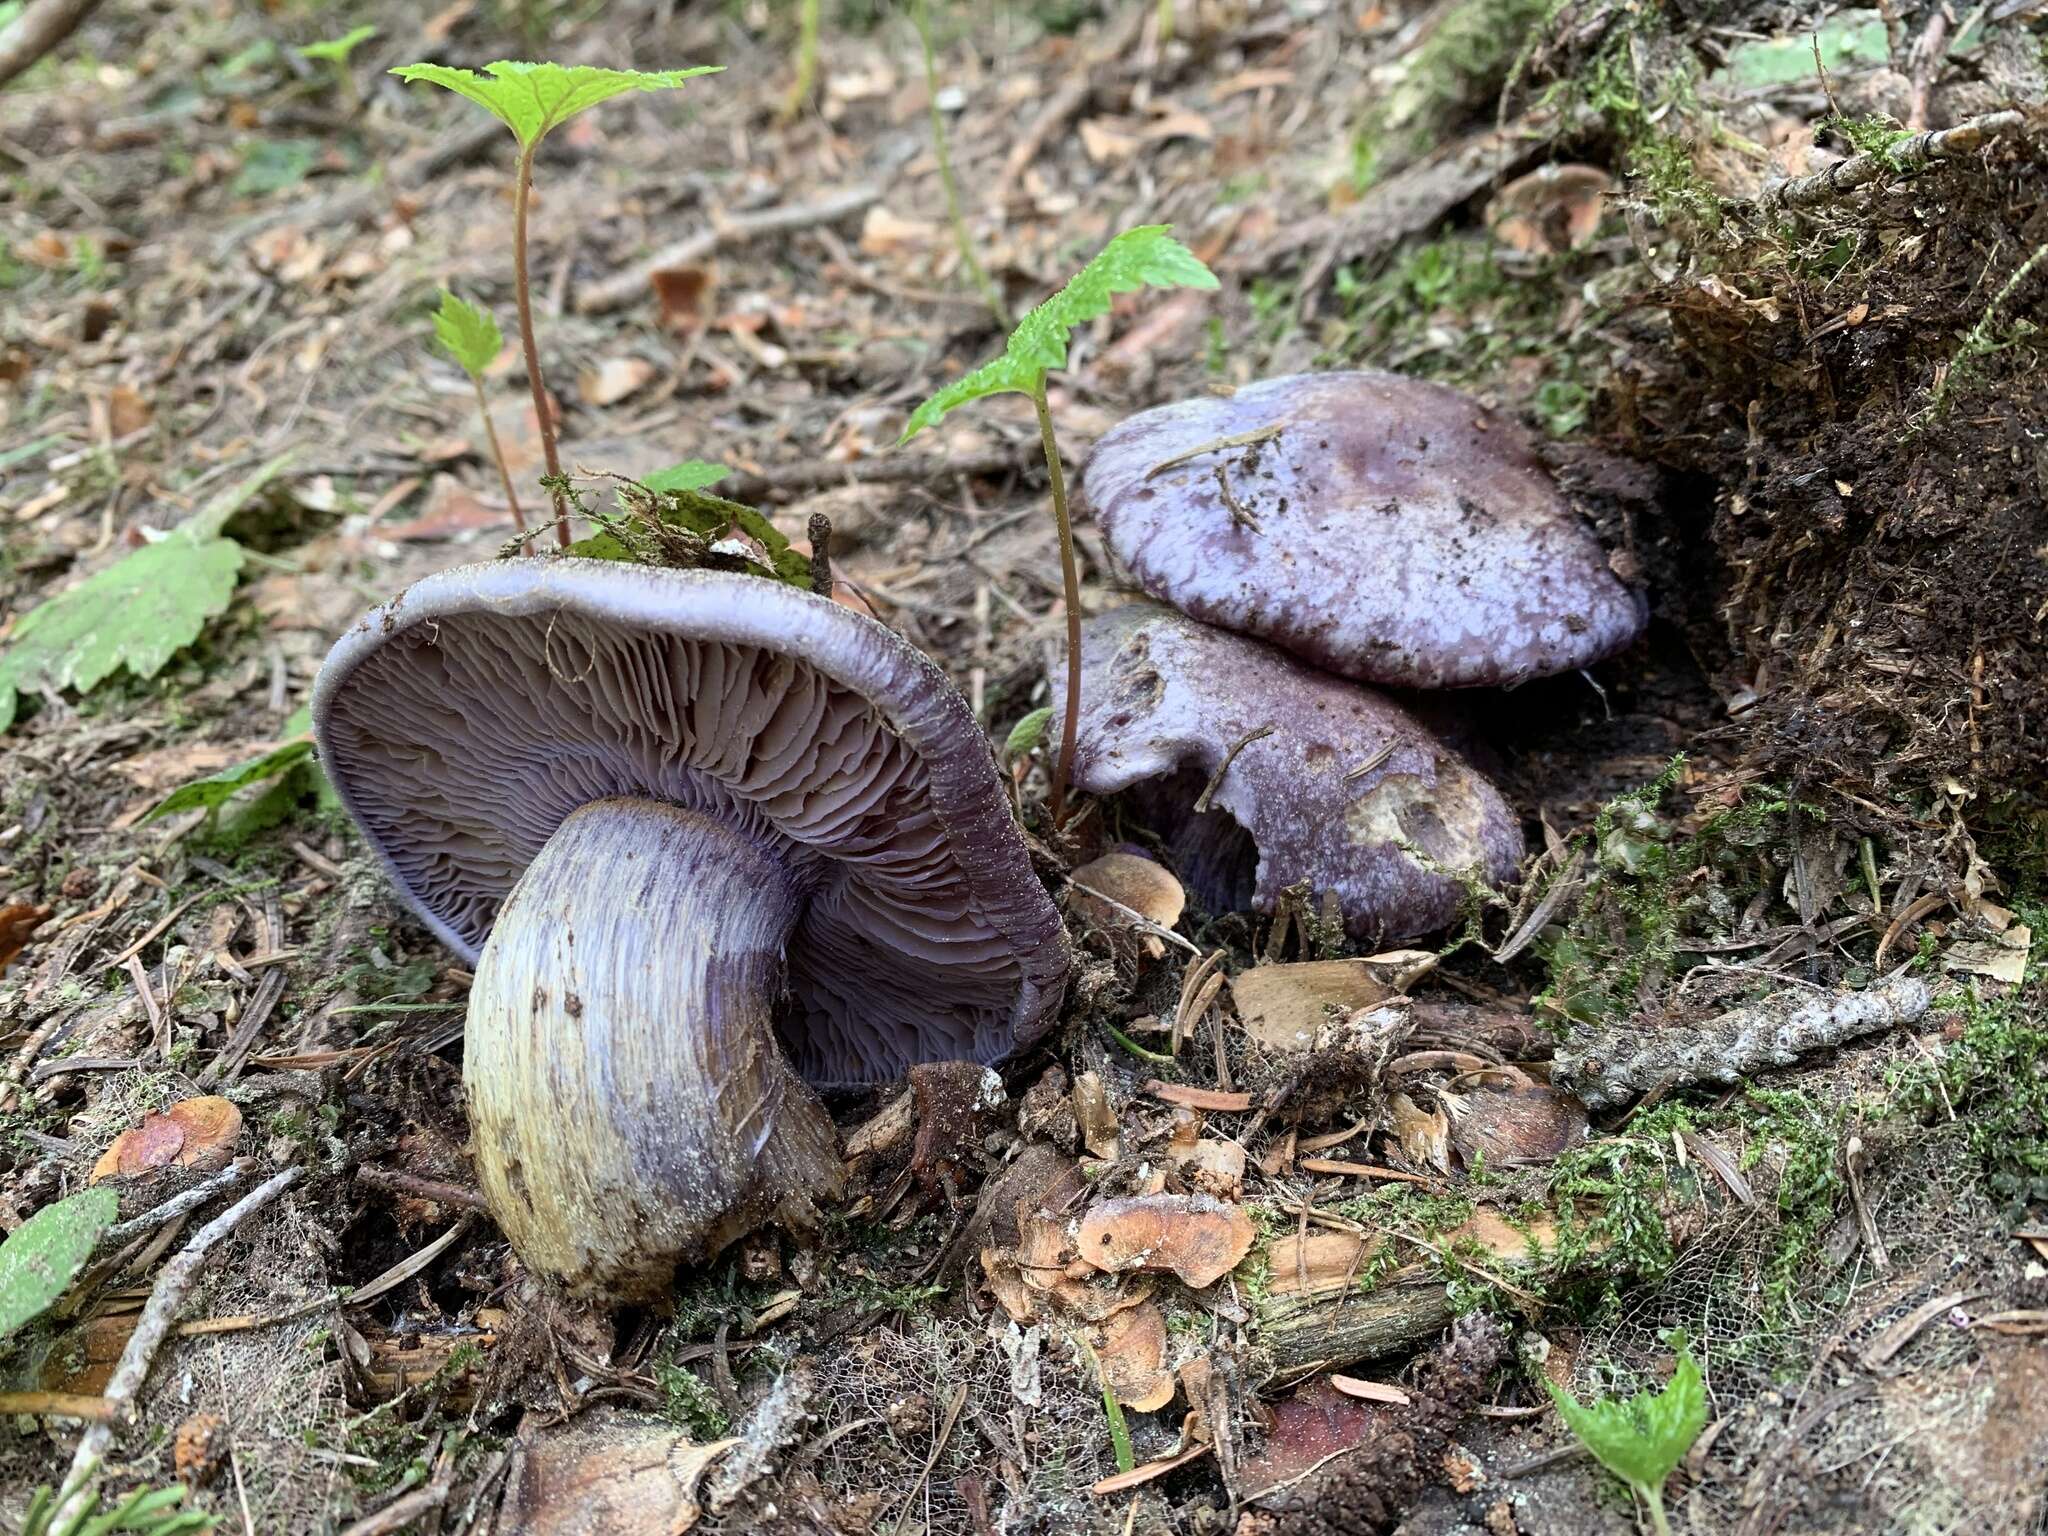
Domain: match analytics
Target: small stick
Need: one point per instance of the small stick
(1239, 513)
(1216, 779)
(1264, 434)
(959, 1401)
(72, 1405)
(1136, 917)
(635, 282)
(820, 530)
(1377, 760)
(1907, 155)
(173, 1284)
(421, 1189)
(181, 1205)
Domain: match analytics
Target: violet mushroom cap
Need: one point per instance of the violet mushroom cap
(1347, 791)
(683, 823)
(1404, 534)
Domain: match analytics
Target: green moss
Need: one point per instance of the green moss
(1994, 1079)
(1457, 69)
(688, 1403)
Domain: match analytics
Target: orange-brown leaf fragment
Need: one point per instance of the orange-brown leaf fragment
(198, 1133)
(17, 922)
(1197, 1238)
(1131, 1345)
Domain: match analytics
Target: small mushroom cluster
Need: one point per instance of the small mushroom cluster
(1311, 534)
(711, 842)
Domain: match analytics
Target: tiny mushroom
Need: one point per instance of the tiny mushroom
(709, 841)
(1383, 528)
(1262, 773)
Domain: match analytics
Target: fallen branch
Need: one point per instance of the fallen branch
(173, 1284)
(1900, 159)
(1612, 1066)
(895, 469)
(38, 29)
(635, 283)
(182, 1204)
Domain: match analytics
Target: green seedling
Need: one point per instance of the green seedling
(808, 26)
(920, 15)
(137, 613)
(473, 339)
(43, 1255)
(532, 100)
(150, 1511)
(279, 781)
(1643, 1439)
(335, 51)
(1145, 257)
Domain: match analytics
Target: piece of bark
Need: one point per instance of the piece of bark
(1610, 1067)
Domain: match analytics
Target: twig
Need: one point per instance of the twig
(896, 469)
(1608, 1068)
(635, 282)
(421, 1189)
(1264, 434)
(402, 1511)
(173, 1283)
(1216, 779)
(1239, 514)
(1902, 158)
(39, 28)
(72, 1405)
(183, 1204)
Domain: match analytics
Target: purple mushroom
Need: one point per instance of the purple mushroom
(1383, 528)
(1264, 772)
(709, 842)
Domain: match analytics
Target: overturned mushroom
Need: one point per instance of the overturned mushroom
(681, 822)
(1383, 528)
(1266, 773)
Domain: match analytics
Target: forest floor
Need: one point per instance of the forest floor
(1805, 417)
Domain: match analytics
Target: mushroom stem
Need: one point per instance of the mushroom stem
(630, 1106)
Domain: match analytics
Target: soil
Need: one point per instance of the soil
(1809, 428)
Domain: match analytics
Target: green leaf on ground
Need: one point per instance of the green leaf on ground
(1145, 257)
(43, 1255)
(1642, 1439)
(531, 99)
(1026, 734)
(216, 789)
(690, 475)
(137, 613)
(337, 49)
(1848, 40)
(470, 334)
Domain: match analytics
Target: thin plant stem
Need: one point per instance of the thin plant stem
(1659, 1523)
(806, 59)
(920, 15)
(523, 195)
(1165, 22)
(498, 453)
(1070, 583)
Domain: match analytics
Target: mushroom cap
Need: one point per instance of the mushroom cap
(464, 719)
(1166, 698)
(1406, 535)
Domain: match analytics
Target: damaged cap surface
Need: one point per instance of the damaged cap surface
(463, 722)
(1331, 795)
(1390, 530)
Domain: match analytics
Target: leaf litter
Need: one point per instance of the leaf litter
(224, 324)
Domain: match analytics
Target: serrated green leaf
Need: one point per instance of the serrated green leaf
(470, 334)
(1145, 257)
(337, 49)
(1026, 734)
(690, 475)
(43, 1255)
(532, 99)
(136, 614)
(1640, 1440)
(216, 789)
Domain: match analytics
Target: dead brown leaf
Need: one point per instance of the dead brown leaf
(1551, 210)
(1130, 880)
(196, 1133)
(1197, 1238)
(1283, 1006)
(1131, 1344)
(1509, 1124)
(614, 379)
(17, 922)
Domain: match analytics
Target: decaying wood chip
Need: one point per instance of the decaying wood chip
(1132, 883)
(606, 1473)
(1131, 1345)
(1611, 1066)
(1507, 1124)
(1197, 1238)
